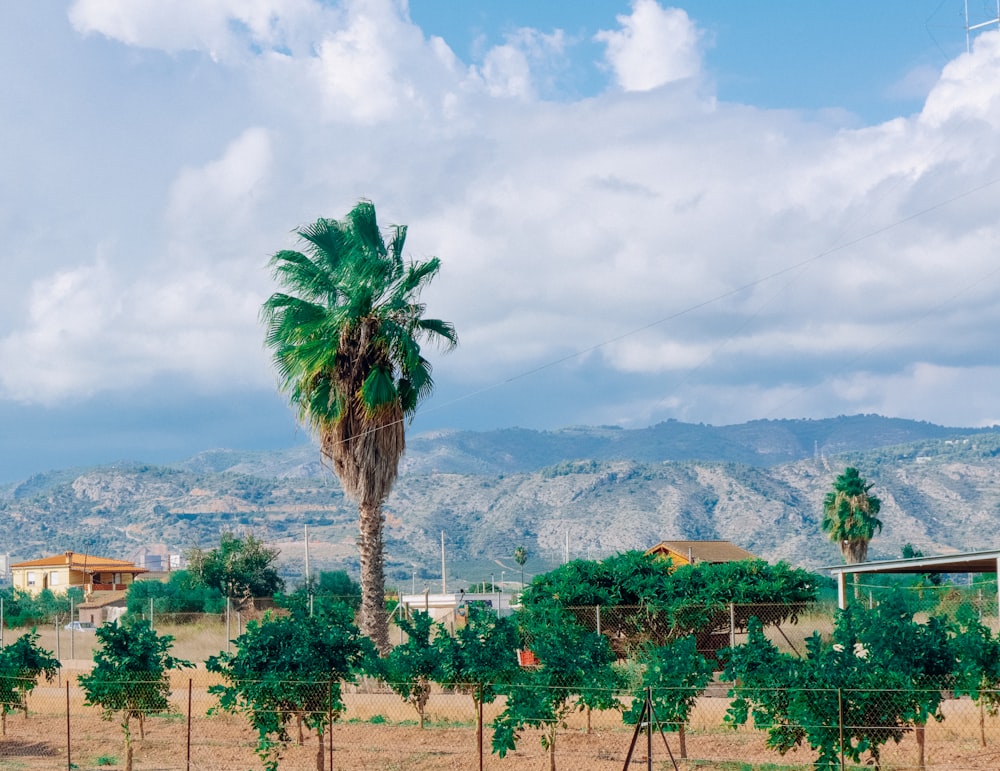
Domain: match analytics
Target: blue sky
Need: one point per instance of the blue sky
(705, 211)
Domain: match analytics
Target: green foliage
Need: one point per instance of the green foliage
(328, 590)
(239, 568)
(484, 587)
(656, 603)
(21, 664)
(480, 657)
(290, 666)
(676, 674)
(130, 677)
(410, 668)
(46, 607)
(882, 674)
(977, 651)
(575, 673)
(850, 515)
(183, 592)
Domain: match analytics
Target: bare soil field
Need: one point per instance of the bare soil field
(378, 731)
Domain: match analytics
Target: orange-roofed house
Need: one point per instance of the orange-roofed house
(695, 552)
(59, 573)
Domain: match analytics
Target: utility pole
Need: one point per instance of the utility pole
(307, 559)
(444, 581)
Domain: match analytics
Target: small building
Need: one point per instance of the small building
(694, 552)
(102, 607)
(59, 573)
(451, 609)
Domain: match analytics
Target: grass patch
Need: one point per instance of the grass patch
(105, 760)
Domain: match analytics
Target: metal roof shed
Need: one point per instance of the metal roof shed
(969, 562)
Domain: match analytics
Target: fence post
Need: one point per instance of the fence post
(189, 727)
(598, 613)
(69, 759)
(479, 724)
(732, 625)
(329, 726)
(649, 728)
(840, 724)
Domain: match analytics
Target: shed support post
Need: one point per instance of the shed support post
(998, 590)
(841, 593)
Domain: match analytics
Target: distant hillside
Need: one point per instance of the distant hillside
(758, 484)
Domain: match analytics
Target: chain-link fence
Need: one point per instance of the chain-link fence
(376, 730)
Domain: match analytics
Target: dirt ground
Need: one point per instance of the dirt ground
(378, 732)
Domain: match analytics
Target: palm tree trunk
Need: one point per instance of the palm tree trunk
(374, 619)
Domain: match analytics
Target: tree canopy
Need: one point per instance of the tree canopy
(240, 568)
(129, 677)
(850, 515)
(883, 674)
(288, 667)
(645, 599)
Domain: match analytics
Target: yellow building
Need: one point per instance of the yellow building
(694, 552)
(59, 573)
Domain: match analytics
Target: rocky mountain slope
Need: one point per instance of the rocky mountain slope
(759, 485)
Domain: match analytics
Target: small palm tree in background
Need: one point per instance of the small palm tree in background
(850, 515)
(520, 557)
(345, 336)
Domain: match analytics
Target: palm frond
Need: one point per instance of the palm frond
(438, 331)
(378, 390)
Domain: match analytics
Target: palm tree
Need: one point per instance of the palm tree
(850, 515)
(520, 557)
(345, 336)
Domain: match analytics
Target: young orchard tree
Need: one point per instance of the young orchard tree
(345, 334)
(978, 672)
(676, 675)
(881, 676)
(130, 676)
(479, 658)
(21, 664)
(290, 667)
(410, 668)
(574, 673)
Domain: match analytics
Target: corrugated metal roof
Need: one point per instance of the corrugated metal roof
(966, 562)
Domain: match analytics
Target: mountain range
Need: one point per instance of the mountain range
(585, 491)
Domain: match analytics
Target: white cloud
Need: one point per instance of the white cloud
(225, 29)
(654, 46)
(774, 261)
(223, 193)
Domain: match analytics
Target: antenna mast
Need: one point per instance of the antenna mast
(970, 28)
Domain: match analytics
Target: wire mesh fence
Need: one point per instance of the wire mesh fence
(373, 728)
